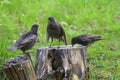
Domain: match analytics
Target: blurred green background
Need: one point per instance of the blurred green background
(101, 17)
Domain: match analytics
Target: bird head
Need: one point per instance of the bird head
(34, 28)
(51, 20)
(73, 42)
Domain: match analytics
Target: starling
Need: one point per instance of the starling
(85, 39)
(55, 31)
(27, 40)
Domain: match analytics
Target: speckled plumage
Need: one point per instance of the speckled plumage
(27, 40)
(55, 31)
(85, 39)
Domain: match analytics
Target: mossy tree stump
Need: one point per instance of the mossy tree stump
(63, 63)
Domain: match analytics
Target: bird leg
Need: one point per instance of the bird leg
(59, 44)
(51, 42)
(28, 55)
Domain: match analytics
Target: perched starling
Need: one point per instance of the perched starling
(55, 31)
(85, 39)
(27, 40)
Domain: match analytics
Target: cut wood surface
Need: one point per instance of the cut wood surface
(19, 68)
(63, 63)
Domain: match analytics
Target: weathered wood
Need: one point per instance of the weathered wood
(19, 68)
(62, 63)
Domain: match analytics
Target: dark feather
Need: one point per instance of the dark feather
(85, 39)
(55, 31)
(27, 40)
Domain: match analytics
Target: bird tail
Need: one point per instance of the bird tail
(96, 38)
(12, 48)
(64, 37)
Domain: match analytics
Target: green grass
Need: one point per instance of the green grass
(100, 17)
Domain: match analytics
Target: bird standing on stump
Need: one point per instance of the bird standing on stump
(27, 40)
(55, 31)
(85, 39)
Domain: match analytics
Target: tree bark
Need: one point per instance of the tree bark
(19, 68)
(63, 63)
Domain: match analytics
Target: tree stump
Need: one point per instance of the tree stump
(19, 68)
(63, 63)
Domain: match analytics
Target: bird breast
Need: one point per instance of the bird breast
(54, 32)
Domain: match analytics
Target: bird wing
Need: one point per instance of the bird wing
(84, 37)
(18, 42)
(91, 36)
(28, 39)
(60, 29)
(94, 37)
(64, 36)
(47, 35)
